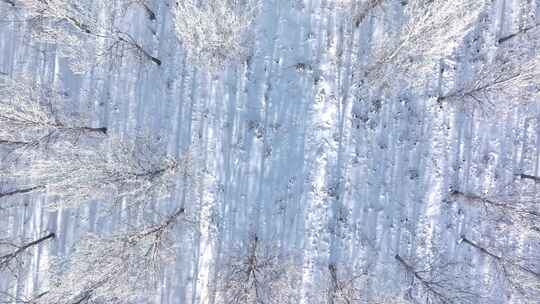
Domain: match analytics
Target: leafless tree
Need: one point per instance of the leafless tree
(137, 172)
(215, 32)
(437, 283)
(257, 276)
(513, 79)
(119, 269)
(342, 285)
(433, 30)
(520, 213)
(31, 117)
(366, 7)
(12, 252)
(14, 261)
(83, 36)
(521, 274)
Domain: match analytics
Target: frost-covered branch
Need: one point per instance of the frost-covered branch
(215, 33)
(119, 269)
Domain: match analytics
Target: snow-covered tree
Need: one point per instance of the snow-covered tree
(437, 282)
(215, 33)
(513, 79)
(82, 35)
(13, 252)
(342, 285)
(15, 259)
(31, 117)
(521, 214)
(122, 268)
(519, 273)
(433, 30)
(257, 276)
(137, 172)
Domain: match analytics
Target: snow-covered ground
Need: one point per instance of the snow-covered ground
(288, 148)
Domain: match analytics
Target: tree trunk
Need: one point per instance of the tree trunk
(21, 191)
(523, 31)
(532, 177)
(10, 2)
(51, 235)
(480, 248)
(149, 12)
(7, 258)
(142, 51)
(96, 130)
(13, 142)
